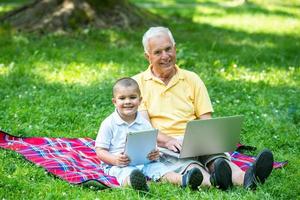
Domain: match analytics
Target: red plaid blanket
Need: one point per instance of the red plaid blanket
(74, 159)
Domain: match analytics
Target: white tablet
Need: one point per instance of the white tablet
(139, 144)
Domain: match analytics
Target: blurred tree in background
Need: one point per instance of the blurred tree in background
(56, 15)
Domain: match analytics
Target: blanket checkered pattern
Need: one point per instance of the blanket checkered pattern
(74, 159)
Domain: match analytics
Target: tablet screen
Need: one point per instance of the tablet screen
(139, 144)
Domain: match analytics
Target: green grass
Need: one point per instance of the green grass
(60, 86)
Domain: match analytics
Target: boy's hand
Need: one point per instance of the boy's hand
(122, 160)
(153, 155)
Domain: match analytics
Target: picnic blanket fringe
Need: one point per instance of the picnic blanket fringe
(75, 161)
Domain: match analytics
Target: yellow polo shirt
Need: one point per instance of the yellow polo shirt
(171, 106)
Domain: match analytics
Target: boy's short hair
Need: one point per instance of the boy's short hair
(126, 82)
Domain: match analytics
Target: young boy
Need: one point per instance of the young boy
(110, 144)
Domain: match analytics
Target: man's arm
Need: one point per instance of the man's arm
(206, 116)
(164, 140)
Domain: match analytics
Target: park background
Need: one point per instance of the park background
(58, 84)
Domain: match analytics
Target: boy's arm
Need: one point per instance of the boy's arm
(117, 160)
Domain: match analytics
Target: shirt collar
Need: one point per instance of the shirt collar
(149, 75)
(119, 121)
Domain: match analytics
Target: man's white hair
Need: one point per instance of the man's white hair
(153, 32)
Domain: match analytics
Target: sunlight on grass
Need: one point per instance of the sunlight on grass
(278, 17)
(258, 24)
(77, 73)
(5, 8)
(249, 43)
(271, 76)
(7, 5)
(5, 70)
(20, 39)
(264, 18)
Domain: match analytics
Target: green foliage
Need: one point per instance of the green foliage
(59, 85)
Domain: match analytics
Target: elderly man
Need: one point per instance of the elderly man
(173, 96)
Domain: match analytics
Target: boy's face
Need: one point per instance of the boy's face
(127, 101)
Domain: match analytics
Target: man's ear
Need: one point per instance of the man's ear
(113, 100)
(146, 56)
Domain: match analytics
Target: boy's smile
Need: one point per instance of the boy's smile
(127, 101)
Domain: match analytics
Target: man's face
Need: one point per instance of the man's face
(162, 53)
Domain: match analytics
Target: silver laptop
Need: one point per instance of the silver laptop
(209, 136)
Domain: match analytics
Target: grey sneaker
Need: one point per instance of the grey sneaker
(138, 181)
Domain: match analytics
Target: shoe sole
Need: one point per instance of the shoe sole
(263, 165)
(223, 174)
(250, 181)
(195, 179)
(138, 181)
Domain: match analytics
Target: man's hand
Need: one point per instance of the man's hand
(121, 160)
(174, 145)
(153, 155)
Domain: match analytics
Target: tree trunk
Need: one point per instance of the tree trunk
(55, 15)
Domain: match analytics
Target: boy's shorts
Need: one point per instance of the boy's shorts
(154, 171)
(180, 165)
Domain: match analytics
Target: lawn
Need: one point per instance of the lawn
(59, 85)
